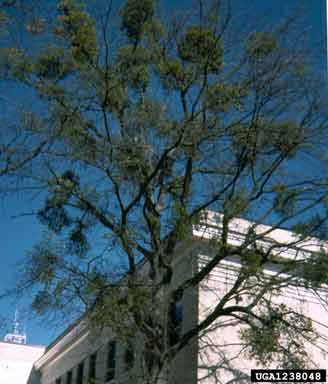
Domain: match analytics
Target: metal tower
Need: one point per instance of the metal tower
(16, 336)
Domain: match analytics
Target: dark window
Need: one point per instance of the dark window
(129, 357)
(92, 366)
(175, 321)
(58, 381)
(79, 375)
(111, 361)
(69, 377)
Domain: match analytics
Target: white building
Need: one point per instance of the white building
(78, 355)
(16, 357)
(16, 362)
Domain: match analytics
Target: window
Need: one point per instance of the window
(69, 377)
(129, 357)
(175, 321)
(79, 375)
(58, 381)
(111, 361)
(92, 366)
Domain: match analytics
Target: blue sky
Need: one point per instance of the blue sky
(19, 234)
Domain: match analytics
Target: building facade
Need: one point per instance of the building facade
(16, 362)
(81, 356)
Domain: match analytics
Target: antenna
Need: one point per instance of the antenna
(16, 324)
(16, 337)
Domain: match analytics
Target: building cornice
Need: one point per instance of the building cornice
(288, 244)
(72, 336)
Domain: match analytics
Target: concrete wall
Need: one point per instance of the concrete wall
(78, 344)
(222, 357)
(218, 347)
(77, 350)
(16, 362)
(184, 368)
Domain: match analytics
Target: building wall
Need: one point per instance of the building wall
(79, 344)
(198, 362)
(16, 362)
(222, 348)
(77, 348)
(219, 347)
(184, 367)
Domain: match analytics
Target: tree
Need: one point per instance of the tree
(139, 130)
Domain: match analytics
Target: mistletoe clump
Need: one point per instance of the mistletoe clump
(202, 47)
(135, 16)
